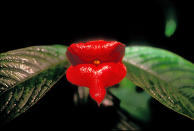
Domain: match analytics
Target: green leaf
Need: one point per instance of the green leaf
(171, 21)
(136, 104)
(26, 75)
(165, 76)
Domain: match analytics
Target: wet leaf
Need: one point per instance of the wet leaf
(166, 76)
(26, 75)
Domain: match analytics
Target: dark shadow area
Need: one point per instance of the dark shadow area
(128, 22)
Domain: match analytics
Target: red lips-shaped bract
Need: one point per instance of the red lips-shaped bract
(96, 65)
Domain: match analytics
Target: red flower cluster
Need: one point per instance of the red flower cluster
(96, 65)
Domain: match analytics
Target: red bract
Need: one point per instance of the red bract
(96, 65)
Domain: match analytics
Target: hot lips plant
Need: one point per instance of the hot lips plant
(27, 74)
(96, 65)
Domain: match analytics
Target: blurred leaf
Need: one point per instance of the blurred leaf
(165, 76)
(170, 27)
(171, 21)
(136, 104)
(110, 105)
(26, 75)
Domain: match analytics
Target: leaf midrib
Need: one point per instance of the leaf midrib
(156, 76)
(38, 72)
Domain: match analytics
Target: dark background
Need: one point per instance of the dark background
(64, 23)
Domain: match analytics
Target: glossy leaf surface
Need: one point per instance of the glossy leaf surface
(26, 75)
(166, 76)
